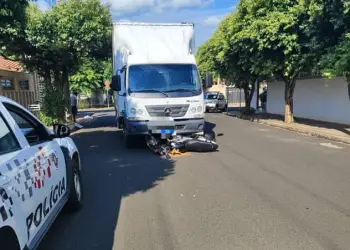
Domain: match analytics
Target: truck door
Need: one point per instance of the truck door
(37, 173)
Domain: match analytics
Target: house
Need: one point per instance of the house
(18, 84)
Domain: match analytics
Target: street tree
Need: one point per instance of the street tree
(336, 60)
(228, 59)
(91, 76)
(220, 56)
(59, 40)
(206, 58)
(274, 40)
(12, 25)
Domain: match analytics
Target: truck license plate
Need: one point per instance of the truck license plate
(165, 132)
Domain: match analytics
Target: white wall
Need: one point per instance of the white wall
(318, 98)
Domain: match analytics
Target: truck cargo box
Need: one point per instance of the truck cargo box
(154, 42)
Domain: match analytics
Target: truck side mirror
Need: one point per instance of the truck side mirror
(208, 80)
(116, 83)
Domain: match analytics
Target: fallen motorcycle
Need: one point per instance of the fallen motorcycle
(182, 144)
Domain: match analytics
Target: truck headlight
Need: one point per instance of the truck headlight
(193, 109)
(133, 111)
(199, 109)
(139, 111)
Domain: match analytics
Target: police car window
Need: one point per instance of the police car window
(29, 128)
(8, 141)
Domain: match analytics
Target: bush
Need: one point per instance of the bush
(84, 103)
(48, 121)
(53, 106)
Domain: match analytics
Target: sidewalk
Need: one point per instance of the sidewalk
(326, 130)
(96, 109)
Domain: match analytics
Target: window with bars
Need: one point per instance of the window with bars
(24, 84)
(7, 84)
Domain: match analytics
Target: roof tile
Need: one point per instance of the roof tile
(10, 65)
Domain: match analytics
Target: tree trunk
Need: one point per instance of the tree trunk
(66, 92)
(288, 99)
(347, 78)
(248, 94)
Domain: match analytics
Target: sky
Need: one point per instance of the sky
(205, 14)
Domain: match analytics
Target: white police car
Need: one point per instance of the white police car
(40, 174)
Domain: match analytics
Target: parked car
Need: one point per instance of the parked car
(40, 174)
(215, 101)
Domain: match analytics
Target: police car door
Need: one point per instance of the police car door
(36, 173)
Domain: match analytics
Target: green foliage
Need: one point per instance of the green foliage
(206, 59)
(337, 61)
(57, 42)
(52, 106)
(84, 103)
(282, 38)
(91, 76)
(274, 37)
(12, 25)
(108, 70)
(222, 57)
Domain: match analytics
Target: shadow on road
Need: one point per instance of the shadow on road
(209, 127)
(110, 172)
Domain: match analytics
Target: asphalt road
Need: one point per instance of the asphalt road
(265, 189)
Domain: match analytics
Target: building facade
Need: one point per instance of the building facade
(18, 84)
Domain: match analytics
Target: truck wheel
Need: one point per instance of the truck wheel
(75, 200)
(128, 139)
(120, 122)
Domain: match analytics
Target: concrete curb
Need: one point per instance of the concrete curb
(82, 122)
(294, 129)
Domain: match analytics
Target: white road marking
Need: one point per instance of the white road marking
(330, 145)
(282, 139)
(263, 129)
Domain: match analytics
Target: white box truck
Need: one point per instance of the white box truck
(157, 85)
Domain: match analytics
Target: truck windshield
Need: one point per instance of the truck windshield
(167, 79)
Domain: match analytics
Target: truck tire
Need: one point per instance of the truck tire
(128, 139)
(120, 122)
(75, 200)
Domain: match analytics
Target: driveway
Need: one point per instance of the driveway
(265, 189)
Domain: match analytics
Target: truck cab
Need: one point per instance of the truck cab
(158, 90)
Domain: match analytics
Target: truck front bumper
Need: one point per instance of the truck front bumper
(184, 126)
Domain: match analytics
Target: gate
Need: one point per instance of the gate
(235, 97)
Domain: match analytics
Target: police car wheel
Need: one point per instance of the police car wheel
(8, 238)
(75, 199)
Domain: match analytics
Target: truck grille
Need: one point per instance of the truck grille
(163, 110)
